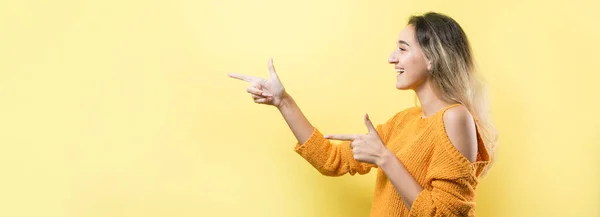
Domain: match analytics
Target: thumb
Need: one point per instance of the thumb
(272, 70)
(370, 125)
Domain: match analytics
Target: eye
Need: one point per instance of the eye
(402, 49)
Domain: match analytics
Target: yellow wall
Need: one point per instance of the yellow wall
(123, 108)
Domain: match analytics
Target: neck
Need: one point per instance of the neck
(430, 101)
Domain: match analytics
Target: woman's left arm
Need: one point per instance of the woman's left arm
(461, 131)
(460, 127)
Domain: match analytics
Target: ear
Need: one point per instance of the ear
(428, 62)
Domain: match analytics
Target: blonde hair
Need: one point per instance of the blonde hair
(453, 71)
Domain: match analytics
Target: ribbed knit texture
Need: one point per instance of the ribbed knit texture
(448, 178)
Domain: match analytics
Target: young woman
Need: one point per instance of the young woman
(430, 157)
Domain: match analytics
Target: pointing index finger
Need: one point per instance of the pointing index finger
(342, 137)
(246, 78)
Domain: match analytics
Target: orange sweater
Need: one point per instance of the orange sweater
(421, 144)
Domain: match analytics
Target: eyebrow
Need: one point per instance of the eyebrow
(403, 42)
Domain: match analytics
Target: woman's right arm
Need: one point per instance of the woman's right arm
(327, 158)
(295, 119)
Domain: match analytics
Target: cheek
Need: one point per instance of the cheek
(413, 63)
(404, 60)
(407, 61)
(416, 71)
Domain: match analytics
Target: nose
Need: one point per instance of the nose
(393, 59)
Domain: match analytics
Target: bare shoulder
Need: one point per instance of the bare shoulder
(461, 130)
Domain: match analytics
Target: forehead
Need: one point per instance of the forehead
(407, 34)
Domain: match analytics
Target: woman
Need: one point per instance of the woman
(429, 158)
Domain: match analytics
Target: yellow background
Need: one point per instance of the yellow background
(123, 108)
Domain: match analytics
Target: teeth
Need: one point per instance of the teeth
(400, 70)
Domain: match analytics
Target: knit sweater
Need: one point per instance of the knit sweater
(421, 144)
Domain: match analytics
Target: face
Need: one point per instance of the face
(408, 60)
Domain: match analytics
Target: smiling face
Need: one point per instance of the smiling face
(409, 61)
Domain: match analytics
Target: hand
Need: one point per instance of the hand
(366, 148)
(264, 91)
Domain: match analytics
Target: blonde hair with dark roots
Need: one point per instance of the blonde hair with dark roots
(453, 72)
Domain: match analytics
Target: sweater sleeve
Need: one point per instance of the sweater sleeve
(446, 197)
(450, 190)
(335, 159)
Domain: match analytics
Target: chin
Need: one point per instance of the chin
(401, 87)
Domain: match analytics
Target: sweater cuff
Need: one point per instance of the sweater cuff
(419, 206)
(311, 145)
